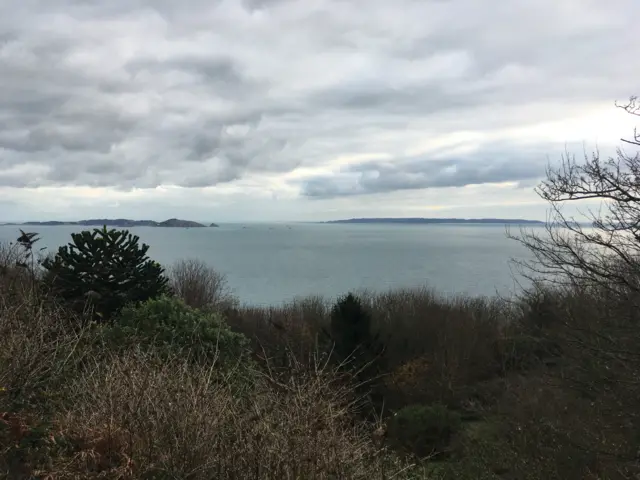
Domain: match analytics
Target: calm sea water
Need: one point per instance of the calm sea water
(269, 264)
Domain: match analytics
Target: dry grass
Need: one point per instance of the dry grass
(14, 281)
(8, 254)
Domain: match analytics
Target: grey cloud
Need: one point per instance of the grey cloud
(13, 180)
(59, 126)
(263, 4)
(221, 70)
(203, 146)
(219, 74)
(205, 179)
(392, 101)
(493, 164)
(141, 93)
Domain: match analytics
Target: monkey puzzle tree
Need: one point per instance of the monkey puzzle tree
(104, 270)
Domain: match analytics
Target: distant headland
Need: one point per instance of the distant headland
(485, 221)
(120, 222)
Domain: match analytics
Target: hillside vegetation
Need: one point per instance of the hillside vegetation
(403, 384)
(112, 367)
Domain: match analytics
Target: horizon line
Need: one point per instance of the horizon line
(350, 219)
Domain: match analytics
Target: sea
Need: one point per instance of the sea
(269, 264)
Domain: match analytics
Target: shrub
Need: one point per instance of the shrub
(134, 414)
(409, 381)
(542, 309)
(200, 286)
(43, 347)
(451, 337)
(105, 269)
(523, 352)
(168, 326)
(423, 430)
(137, 416)
(294, 329)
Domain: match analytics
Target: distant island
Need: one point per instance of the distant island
(497, 221)
(120, 222)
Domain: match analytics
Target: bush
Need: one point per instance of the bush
(423, 430)
(436, 346)
(523, 352)
(410, 382)
(138, 416)
(168, 326)
(200, 286)
(295, 329)
(105, 269)
(43, 346)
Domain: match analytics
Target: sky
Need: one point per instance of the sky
(294, 110)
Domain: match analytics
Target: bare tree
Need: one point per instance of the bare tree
(605, 253)
(201, 286)
(586, 294)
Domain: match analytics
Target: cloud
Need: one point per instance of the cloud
(278, 93)
(498, 164)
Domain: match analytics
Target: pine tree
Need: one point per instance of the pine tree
(351, 332)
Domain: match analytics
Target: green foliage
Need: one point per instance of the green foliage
(167, 326)
(105, 269)
(423, 429)
(26, 442)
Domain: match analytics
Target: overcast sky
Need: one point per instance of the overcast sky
(245, 110)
